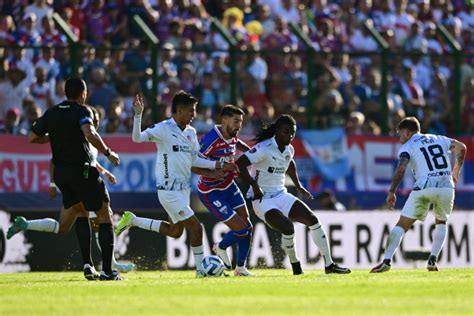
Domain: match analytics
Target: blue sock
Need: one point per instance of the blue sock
(244, 246)
(229, 239)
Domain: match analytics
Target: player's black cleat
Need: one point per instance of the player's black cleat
(296, 266)
(334, 268)
(432, 266)
(90, 273)
(114, 276)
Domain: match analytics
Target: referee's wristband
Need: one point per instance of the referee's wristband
(52, 185)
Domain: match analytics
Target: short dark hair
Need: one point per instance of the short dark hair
(74, 88)
(182, 98)
(410, 123)
(230, 110)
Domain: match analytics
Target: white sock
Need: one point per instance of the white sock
(288, 245)
(198, 253)
(147, 223)
(319, 238)
(114, 262)
(439, 236)
(393, 241)
(48, 225)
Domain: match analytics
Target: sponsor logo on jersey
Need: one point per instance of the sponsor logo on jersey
(276, 169)
(181, 148)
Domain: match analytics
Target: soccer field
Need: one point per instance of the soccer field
(408, 292)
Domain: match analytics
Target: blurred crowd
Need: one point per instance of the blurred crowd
(272, 63)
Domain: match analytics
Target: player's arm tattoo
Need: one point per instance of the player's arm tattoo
(459, 150)
(399, 173)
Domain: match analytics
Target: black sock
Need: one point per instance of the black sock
(83, 233)
(106, 241)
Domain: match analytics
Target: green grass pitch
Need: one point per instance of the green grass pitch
(273, 292)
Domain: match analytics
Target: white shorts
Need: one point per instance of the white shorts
(418, 203)
(282, 202)
(176, 204)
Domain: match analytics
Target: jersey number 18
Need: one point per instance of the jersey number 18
(434, 156)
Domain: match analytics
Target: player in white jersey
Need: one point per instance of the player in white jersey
(272, 159)
(427, 156)
(177, 153)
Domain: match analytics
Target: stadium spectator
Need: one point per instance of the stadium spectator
(258, 69)
(11, 123)
(355, 123)
(101, 92)
(411, 92)
(40, 9)
(143, 9)
(203, 122)
(50, 35)
(115, 120)
(13, 91)
(205, 91)
(7, 29)
(166, 16)
(57, 93)
(32, 113)
(49, 63)
(97, 23)
(20, 61)
(40, 90)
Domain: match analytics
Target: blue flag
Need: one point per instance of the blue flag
(328, 151)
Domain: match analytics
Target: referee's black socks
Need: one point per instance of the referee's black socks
(83, 232)
(106, 241)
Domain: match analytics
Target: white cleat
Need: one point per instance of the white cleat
(222, 253)
(200, 274)
(242, 271)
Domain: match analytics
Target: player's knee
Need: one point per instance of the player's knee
(63, 229)
(176, 231)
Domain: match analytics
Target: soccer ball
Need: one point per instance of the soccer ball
(213, 266)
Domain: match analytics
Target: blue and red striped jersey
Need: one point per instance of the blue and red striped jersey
(215, 147)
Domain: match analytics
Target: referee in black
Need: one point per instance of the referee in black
(69, 128)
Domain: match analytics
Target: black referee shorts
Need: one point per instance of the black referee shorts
(75, 188)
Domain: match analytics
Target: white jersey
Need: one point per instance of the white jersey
(429, 160)
(270, 166)
(176, 151)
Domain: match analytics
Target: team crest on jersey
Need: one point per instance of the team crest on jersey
(189, 137)
(287, 158)
(253, 150)
(181, 213)
(223, 210)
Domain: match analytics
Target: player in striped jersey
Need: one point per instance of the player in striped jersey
(222, 197)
